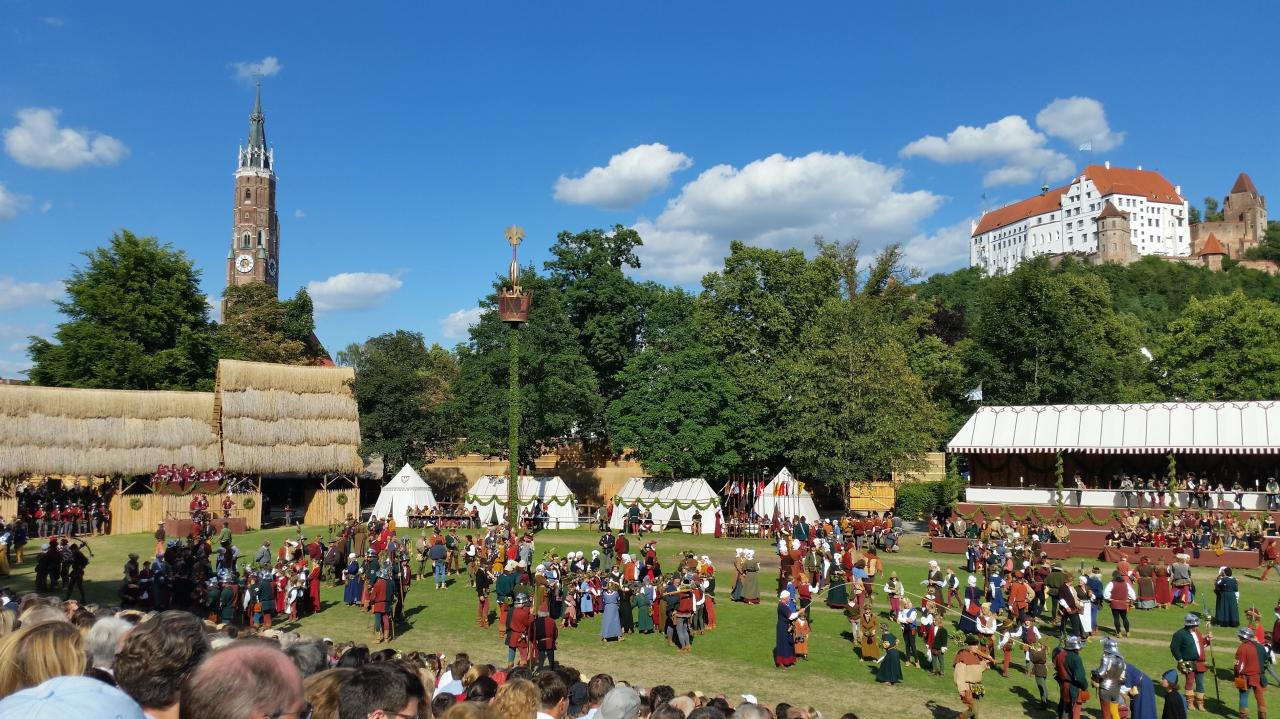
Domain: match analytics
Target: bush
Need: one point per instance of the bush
(917, 500)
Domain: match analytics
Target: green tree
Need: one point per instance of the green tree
(1193, 215)
(752, 314)
(856, 410)
(258, 327)
(601, 301)
(558, 391)
(1269, 247)
(136, 319)
(1047, 337)
(1211, 211)
(676, 410)
(1222, 348)
(405, 392)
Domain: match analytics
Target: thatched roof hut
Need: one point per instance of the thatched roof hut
(280, 419)
(100, 432)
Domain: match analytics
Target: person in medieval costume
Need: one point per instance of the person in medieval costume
(869, 635)
(1226, 612)
(1141, 693)
(1108, 677)
(1073, 683)
(889, 670)
(751, 578)
(739, 564)
(1250, 659)
(784, 648)
(971, 607)
(1189, 649)
(1175, 707)
(644, 607)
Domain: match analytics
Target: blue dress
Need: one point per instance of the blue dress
(784, 647)
(584, 599)
(1142, 706)
(995, 593)
(791, 601)
(351, 593)
(611, 625)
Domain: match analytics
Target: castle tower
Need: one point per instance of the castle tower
(255, 238)
(1212, 253)
(1244, 205)
(1115, 239)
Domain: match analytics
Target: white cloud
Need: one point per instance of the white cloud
(37, 141)
(299, 214)
(46, 206)
(12, 368)
(779, 201)
(254, 69)
(941, 250)
(15, 294)
(1079, 120)
(1010, 141)
(54, 21)
(456, 324)
(630, 178)
(352, 291)
(10, 203)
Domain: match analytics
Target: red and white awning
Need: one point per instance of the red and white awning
(1179, 427)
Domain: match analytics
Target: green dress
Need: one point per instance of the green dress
(751, 582)
(644, 613)
(890, 669)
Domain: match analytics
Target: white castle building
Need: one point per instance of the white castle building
(1064, 220)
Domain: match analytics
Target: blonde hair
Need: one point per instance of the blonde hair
(39, 652)
(516, 698)
(472, 710)
(8, 622)
(321, 691)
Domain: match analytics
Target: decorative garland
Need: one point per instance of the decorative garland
(135, 504)
(341, 499)
(691, 504)
(1053, 515)
(249, 503)
(483, 502)
(1059, 494)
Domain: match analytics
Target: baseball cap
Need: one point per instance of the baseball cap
(79, 697)
(621, 702)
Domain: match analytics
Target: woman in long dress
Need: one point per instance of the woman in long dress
(890, 670)
(1227, 609)
(1164, 590)
(784, 647)
(1146, 585)
(610, 625)
(644, 608)
(869, 635)
(751, 579)
(626, 611)
(586, 608)
(351, 592)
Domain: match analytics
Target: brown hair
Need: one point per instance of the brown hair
(38, 652)
(321, 690)
(158, 655)
(517, 698)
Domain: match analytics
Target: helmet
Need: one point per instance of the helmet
(522, 600)
(1245, 633)
(1109, 646)
(1191, 620)
(1073, 643)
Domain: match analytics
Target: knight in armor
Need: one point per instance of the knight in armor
(1108, 677)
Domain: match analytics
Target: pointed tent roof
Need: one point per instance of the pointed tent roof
(1244, 184)
(1212, 247)
(1112, 211)
(406, 489)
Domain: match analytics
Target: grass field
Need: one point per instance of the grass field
(737, 657)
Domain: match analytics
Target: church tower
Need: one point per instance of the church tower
(255, 238)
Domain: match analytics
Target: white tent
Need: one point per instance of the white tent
(665, 498)
(406, 489)
(790, 498)
(489, 496)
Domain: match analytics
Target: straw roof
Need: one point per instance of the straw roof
(98, 432)
(281, 419)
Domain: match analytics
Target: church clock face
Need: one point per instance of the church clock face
(244, 263)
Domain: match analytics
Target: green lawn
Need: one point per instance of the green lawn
(737, 657)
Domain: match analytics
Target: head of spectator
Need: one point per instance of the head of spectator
(41, 612)
(553, 695)
(660, 695)
(667, 711)
(156, 657)
(39, 652)
(385, 690)
(483, 689)
(247, 680)
(516, 698)
(103, 641)
(469, 710)
(706, 712)
(309, 656)
(621, 702)
(750, 710)
(683, 703)
(70, 696)
(354, 658)
(321, 691)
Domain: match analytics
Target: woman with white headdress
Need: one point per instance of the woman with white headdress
(739, 561)
(750, 578)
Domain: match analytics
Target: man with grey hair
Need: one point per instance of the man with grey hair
(103, 641)
(308, 655)
(751, 711)
(251, 679)
(622, 702)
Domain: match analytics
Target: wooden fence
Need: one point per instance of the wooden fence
(156, 508)
(324, 508)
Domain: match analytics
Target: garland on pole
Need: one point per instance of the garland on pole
(1057, 482)
(493, 498)
(1173, 483)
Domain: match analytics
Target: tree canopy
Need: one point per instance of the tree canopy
(259, 327)
(136, 319)
(1222, 348)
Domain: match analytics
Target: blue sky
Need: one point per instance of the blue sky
(407, 136)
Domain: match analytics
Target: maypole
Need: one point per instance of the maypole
(513, 309)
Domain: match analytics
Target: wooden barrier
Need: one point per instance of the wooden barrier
(8, 507)
(323, 508)
(154, 509)
(871, 496)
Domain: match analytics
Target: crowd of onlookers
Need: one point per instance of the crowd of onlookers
(61, 658)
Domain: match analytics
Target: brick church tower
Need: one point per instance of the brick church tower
(255, 238)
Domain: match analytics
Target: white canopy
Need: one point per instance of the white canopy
(406, 489)
(489, 496)
(788, 496)
(1160, 428)
(667, 497)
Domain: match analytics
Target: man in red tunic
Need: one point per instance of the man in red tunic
(1250, 659)
(378, 603)
(518, 622)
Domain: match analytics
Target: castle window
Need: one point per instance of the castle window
(244, 241)
(259, 238)
(246, 195)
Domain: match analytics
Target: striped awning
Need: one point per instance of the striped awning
(1180, 427)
